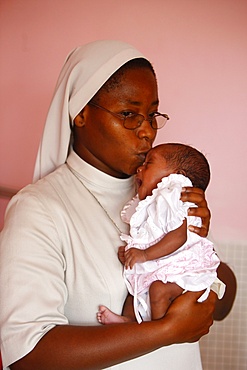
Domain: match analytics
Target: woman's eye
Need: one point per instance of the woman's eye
(127, 114)
(151, 115)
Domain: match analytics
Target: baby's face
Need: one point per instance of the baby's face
(151, 172)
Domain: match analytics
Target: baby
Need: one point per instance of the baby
(162, 258)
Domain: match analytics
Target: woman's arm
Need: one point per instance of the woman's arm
(86, 347)
(224, 305)
(197, 196)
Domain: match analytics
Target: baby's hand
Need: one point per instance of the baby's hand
(134, 255)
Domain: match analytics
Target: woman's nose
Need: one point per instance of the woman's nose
(146, 131)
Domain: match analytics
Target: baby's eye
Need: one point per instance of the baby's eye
(146, 163)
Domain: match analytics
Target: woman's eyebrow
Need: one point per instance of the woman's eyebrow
(138, 103)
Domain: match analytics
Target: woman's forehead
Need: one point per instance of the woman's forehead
(133, 86)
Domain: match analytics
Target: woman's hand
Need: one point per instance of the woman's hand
(189, 319)
(197, 196)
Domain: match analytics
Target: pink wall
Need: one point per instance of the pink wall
(199, 51)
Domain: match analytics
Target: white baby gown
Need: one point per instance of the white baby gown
(193, 266)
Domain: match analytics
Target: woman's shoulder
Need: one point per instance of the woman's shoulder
(43, 193)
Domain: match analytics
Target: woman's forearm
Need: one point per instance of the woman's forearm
(77, 347)
(224, 305)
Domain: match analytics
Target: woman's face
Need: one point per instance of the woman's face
(101, 139)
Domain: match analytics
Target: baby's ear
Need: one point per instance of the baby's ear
(181, 172)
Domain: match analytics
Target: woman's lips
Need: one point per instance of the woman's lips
(142, 157)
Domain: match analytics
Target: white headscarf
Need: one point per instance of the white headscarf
(85, 70)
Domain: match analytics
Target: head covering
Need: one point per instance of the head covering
(85, 70)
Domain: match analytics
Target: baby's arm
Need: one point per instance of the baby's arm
(168, 244)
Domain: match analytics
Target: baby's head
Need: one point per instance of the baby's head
(187, 161)
(165, 159)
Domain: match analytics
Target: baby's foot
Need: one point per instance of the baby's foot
(106, 316)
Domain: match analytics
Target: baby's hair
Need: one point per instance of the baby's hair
(115, 79)
(189, 162)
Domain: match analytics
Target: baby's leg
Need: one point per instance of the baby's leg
(106, 316)
(128, 308)
(161, 295)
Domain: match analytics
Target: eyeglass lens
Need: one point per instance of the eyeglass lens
(136, 121)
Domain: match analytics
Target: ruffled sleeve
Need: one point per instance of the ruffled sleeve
(129, 209)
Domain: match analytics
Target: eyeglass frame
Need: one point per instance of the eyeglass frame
(150, 120)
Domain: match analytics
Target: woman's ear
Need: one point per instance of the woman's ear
(79, 119)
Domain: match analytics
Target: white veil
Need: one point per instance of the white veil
(85, 70)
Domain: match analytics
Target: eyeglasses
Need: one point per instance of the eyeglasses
(131, 120)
